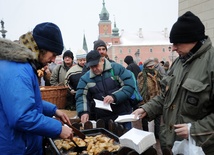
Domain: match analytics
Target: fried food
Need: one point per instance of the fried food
(40, 72)
(95, 144)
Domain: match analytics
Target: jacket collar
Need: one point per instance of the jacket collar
(203, 49)
(12, 51)
(107, 66)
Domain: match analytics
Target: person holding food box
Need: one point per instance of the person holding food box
(186, 103)
(26, 118)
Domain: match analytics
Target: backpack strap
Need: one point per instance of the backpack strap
(112, 74)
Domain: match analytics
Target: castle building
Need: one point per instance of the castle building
(139, 44)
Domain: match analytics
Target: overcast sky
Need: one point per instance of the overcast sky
(76, 17)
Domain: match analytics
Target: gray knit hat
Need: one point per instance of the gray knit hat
(99, 43)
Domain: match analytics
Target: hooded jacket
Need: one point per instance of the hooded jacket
(188, 99)
(133, 67)
(23, 113)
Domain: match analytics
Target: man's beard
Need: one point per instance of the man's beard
(104, 55)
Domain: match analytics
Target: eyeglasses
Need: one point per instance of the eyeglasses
(99, 49)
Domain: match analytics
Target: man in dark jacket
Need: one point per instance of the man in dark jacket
(99, 84)
(132, 66)
(100, 46)
(135, 69)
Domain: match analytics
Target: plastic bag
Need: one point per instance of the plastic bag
(187, 147)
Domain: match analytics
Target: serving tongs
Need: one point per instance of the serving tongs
(77, 132)
(80, 135)
(78, 148)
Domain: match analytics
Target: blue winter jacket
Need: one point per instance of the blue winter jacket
(120, 87)
(25, 118)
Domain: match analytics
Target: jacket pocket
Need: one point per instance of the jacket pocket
(193, 96)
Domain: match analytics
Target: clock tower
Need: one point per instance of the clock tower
(105, 29)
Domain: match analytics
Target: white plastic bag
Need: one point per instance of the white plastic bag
(187, 147)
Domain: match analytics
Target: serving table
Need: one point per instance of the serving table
(113, 127)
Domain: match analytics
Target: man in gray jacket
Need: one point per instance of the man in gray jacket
(187, 102)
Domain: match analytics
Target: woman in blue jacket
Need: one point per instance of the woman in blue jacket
(25, 118)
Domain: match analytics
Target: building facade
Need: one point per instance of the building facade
(139, 44)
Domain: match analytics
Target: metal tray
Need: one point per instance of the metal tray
(88, 132)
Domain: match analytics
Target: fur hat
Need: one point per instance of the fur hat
(149, 62)
(48, 37)
(99, 43)
(93, 58)
(81, 54)
(187, 29)
(68, 53)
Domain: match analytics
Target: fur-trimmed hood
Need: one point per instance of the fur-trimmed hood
(12, 51)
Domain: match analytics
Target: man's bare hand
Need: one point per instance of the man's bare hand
(182, 130)
(139, 112)
(108, 99)
(84, 118)
(66, 132)
(62, 117)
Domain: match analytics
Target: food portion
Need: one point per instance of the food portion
(40, 72)
(95, 144)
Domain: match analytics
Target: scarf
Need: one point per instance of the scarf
(192, 51)
(145, 72)
(28, 41)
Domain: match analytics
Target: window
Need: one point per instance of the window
(121, 51)
(150, 50)
(129, 51)
(163, 49)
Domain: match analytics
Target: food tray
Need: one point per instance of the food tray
(89, 132)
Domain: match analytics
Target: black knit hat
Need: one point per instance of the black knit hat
(92, 58)
(187, 29)
(128, 59)
(68, 53)
(48, 37)
(99, 43)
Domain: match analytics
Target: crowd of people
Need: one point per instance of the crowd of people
(178, 97)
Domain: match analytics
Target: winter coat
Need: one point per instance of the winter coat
(188, 99)
(23, 113)
(160, 69)
(148, 84)
(58, 75)
(133, 67)
(93, 86)
(72, 76)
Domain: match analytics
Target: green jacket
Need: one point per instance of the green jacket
(188, 99)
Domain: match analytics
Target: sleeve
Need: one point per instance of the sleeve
(126, 81)
(49, 109)
(154, 107)
(24, 112)
(68, 80)
(82, 104)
